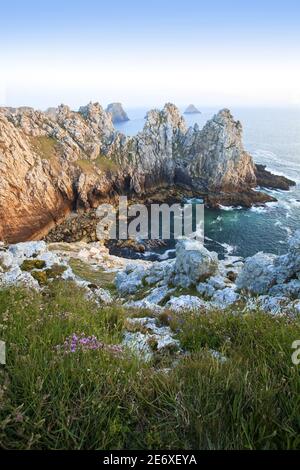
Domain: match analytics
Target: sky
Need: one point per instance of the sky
(145, 53)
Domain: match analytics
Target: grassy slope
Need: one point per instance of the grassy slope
(94, 400)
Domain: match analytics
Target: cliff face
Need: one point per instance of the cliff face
(53, 162)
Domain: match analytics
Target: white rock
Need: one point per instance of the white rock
(6, 259)
(186, 302)
(27, 249)
(160, 271)
(225, 297)
(17, 277)
(288, 289)
(158, 294)
(205, 289)
(50, 259)
(139, 342)
(144, 304)
(194, 263)
(102, 295)
(258, 274)
(130, 280)
(217, 282)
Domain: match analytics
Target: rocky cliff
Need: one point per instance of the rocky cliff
(191, 109)
(117, 112)
(54, 162)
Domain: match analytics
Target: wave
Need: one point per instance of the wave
(166, 254)
(217, 220)
(258, 209)
(230, 208)
(229, 249)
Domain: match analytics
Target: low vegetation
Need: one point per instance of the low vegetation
(102, 163)
(46, 147)
(57, 395)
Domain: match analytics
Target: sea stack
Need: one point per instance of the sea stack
(191, 109)
(117, 112)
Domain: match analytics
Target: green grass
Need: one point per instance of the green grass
(47, 147)
(97, 276)
(94, 400)
(102, 163)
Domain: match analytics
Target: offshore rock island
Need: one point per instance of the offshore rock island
(60, 161)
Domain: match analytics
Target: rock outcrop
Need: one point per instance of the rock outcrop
(197, 280)
(271, 274)
(117, 112)
(266, 179)
(191, 109)
(55, 162)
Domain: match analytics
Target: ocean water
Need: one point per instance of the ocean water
(272, 137)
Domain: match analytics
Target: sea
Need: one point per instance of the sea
(272, 137)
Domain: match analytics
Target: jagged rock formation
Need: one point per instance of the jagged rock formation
(191, 109)
(117, 112)
(54, 162)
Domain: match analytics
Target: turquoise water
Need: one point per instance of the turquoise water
(272, 136)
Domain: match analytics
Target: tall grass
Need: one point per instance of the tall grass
(97, 400)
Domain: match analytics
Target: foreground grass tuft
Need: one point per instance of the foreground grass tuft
(96, 400)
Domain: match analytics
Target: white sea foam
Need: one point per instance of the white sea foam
(229, 208)
(229, 249)
(217, 220)
(166, 254)
(258, 209)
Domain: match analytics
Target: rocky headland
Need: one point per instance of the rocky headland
(191, 109)
(117, 112)
(61, 162)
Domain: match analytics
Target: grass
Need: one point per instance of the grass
(95, 400)
(47, 147)
(95, 276)
(102, 163)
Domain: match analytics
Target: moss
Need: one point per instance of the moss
(152, 342)
(40, 276)
(98, 276)
(30, 264)
(101, 163)
(55, 271)
(106, 164)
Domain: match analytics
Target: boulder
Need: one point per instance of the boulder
(194, 263)
(225, 297)
(258, 274)
(185, 303)
(27, 249)
(130, 280)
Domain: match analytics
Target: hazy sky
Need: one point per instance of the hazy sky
(212, 52)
